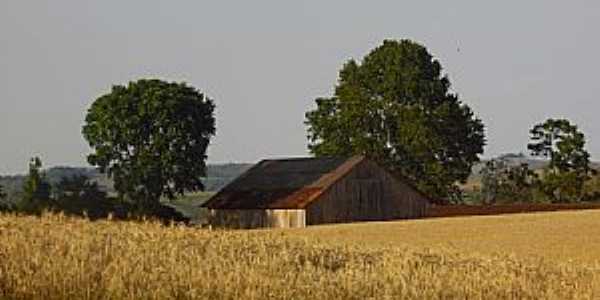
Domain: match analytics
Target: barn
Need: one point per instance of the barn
(298, 192)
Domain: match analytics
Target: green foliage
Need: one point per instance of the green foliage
(151, 137)
(396, 108)
(4, 206)
(563, 186)
(502, 182)
(217, 176)
(78, 186)
(592, 188)
(78, 195)
(520, 183)
(490, 180)
(569, 163)
(36, 190)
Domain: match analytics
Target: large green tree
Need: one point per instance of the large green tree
(569, 163)
(151, 138)
(397, 108)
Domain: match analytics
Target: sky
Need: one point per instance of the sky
(514, 62)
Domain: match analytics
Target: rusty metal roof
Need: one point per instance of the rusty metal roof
(283, 183)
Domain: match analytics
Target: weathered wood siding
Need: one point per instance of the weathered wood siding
(257, 218)
(367, 193)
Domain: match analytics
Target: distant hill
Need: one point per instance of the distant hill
(218, 175)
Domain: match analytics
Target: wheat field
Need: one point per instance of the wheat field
(57, 257)
(567, 236)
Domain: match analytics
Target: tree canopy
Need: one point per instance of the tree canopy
(397, 108)
(569, 163)
(151, 138)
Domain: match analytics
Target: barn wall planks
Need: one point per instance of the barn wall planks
(257, 218)
(367, 193)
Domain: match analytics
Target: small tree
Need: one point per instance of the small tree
(2, 194)
(151, 138)
(36, 190)
(569, 163)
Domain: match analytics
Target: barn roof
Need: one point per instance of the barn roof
(282, 183)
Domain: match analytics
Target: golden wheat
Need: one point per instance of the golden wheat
(566, 236)
(57, 257)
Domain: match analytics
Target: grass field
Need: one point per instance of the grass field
(55, 257)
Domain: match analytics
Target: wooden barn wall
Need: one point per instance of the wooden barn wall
(367, 193)
(257, 218)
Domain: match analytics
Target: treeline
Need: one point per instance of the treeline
(567, 175)
(74, 194)
(84, 191)
(13, 184)
(217, 176)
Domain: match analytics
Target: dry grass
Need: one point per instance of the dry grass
(55, 257)
(566, 236)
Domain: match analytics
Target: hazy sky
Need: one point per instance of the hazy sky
(264, 62)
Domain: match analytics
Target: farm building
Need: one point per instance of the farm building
(307, 191)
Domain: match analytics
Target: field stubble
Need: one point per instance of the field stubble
(57, 257)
